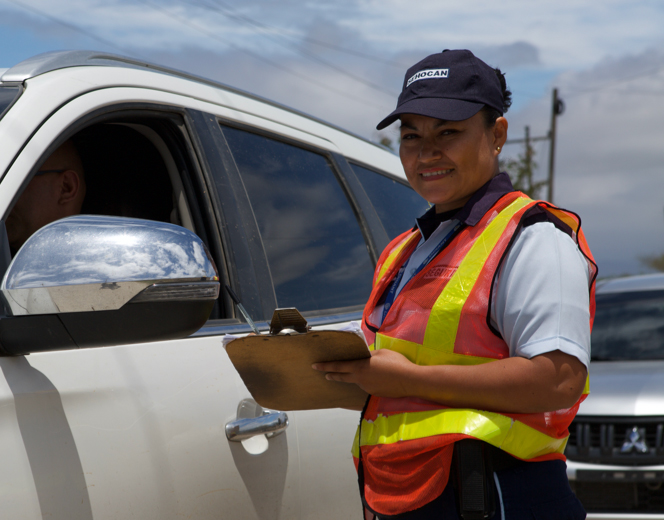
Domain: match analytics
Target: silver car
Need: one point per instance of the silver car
(616, 447)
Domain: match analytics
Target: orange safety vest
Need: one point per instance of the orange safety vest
(440, 317)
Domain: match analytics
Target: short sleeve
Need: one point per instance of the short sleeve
(541, 295)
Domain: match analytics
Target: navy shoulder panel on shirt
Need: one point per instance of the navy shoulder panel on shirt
(538, 214)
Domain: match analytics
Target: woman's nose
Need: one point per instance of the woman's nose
(430, 151)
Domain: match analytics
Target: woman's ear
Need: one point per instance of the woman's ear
(499, 131)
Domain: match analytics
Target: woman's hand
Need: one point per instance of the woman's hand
(386, 373)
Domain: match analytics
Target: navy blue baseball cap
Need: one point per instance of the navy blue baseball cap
(450, 85)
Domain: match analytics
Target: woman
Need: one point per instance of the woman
(479, 321)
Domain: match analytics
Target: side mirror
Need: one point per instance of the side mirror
(89, 281)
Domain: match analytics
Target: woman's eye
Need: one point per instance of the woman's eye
(407, 137)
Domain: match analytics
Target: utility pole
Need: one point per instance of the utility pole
(528, 155)
(557, 108)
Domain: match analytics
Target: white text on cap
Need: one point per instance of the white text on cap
(428, 74)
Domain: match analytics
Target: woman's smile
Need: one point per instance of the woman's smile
(435, 174)
(447, 161)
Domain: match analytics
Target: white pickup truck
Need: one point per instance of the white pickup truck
(115, 390)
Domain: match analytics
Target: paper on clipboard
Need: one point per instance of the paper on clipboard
(277, 371)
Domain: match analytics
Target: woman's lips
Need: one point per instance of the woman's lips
(435, 174)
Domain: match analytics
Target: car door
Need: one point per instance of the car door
(132, 431)
(310, 252)
(138, 430)
(320, 236)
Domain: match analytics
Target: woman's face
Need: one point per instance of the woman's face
(447, 161)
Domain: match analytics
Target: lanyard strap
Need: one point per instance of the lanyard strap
(392, 292)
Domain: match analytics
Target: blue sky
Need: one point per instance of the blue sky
(343, 61)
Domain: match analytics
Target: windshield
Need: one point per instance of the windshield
(7, 97)
(629, 326)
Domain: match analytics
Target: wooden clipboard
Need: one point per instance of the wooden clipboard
(277, 369)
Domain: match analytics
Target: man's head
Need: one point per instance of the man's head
(56, 191)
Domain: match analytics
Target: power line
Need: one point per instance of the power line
(622, 81)
(254, 55)
(127, 52)
(308, 39)
(284, 40)
(72, 27)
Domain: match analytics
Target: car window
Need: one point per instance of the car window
(125, 174)
(628, 326)
(315, 249)
(7, 96)
(134, 164)
(397, 204)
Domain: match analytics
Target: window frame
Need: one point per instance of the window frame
(180, 142)
(390, 176)
(260, 282)
(20, 88)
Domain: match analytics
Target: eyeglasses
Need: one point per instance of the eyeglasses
(43, 172)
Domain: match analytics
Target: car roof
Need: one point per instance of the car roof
(644, 282)
(57, 60)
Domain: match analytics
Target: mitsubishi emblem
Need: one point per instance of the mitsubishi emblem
(635, 439)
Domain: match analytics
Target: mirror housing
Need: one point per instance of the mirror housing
(88, 281)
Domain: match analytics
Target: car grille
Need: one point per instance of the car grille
(620, 497)
(625, 441)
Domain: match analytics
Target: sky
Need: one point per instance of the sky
(344, 61)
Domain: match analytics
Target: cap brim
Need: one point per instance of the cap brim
(440, 108)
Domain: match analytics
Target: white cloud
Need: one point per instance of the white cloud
(571, 33)
(609, 157)
(609, 153)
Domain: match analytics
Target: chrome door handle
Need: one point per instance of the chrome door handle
(269, 424)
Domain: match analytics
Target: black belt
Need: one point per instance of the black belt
(501, 460)
(472, 466)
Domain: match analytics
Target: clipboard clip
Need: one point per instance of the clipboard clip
(287, 320)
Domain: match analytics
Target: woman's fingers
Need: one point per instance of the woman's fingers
(339, 370)
(333, 366)
(339, 376)
(383, 374)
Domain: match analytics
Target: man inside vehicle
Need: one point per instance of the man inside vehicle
(56, 191)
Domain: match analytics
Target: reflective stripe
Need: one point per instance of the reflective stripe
(512, 436)
(445, 315)
(355, 450)
(422, 355)
(568, 219)
(389, 261)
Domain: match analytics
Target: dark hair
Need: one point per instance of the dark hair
(491, 114)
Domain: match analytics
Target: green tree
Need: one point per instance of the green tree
(387, 142)
(521, 171)
(653, 262)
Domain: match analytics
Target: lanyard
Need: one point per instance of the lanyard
(392, 292)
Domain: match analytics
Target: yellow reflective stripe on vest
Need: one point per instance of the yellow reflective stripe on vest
(392, 257)
(424, 356)
(514, 437)
(446, 312)
(355, 450)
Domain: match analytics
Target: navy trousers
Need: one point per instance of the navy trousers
(532, 491)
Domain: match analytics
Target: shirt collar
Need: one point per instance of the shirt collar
(473, 211)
